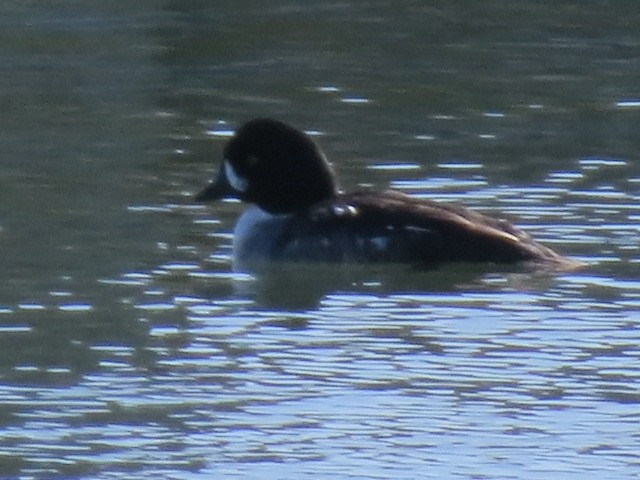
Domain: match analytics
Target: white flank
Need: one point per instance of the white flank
(380, 243)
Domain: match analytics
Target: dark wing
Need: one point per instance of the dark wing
(393, 227)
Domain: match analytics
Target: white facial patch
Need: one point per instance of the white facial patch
(237, 182)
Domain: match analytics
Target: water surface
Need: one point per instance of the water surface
(130, 348)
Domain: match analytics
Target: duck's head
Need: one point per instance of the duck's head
(273, 165)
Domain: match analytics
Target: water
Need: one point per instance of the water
(129, 348)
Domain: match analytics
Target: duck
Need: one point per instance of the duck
(297, 213)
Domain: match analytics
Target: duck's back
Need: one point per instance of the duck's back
(393, 227)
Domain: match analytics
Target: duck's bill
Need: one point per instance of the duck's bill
(216, 190)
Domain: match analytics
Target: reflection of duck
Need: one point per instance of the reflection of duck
(300, 215)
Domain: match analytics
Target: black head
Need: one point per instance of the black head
(275, 166)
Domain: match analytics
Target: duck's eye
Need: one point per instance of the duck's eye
(252, 160)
